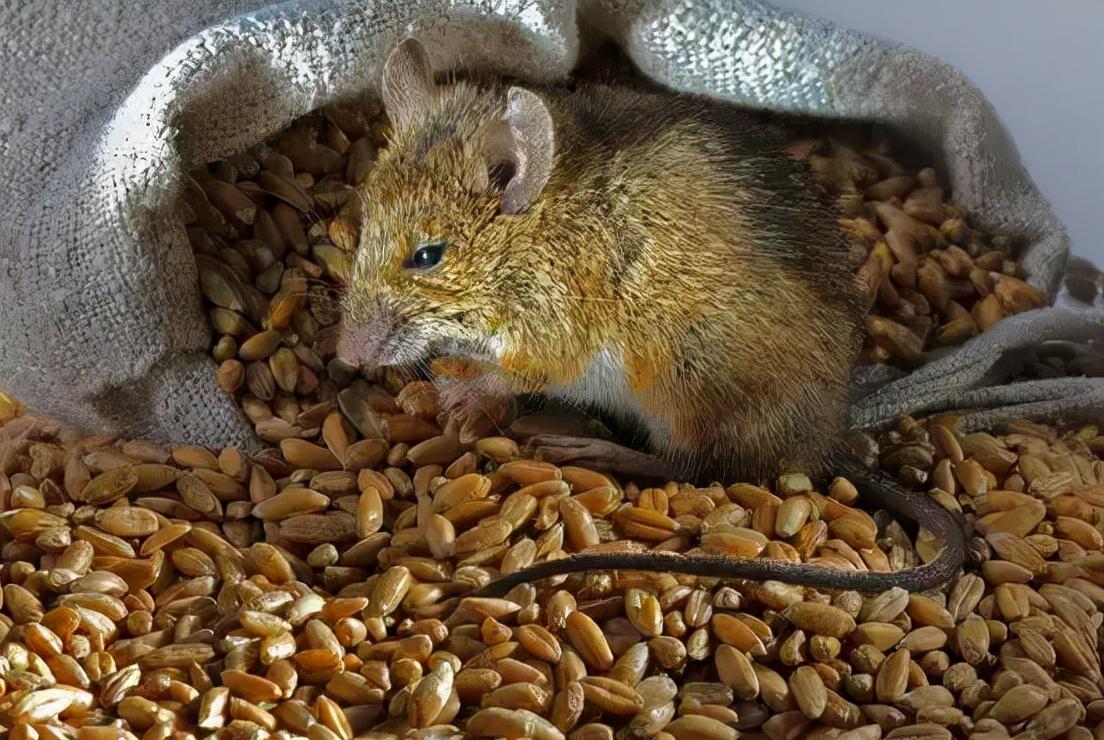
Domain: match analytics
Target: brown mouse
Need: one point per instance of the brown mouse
(655, 255)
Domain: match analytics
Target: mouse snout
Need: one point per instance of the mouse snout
(365, 343)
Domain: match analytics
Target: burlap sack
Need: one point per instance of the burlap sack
(106, 104)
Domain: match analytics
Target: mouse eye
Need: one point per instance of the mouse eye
(426, 256)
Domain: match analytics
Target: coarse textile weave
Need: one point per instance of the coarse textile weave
(107, 104)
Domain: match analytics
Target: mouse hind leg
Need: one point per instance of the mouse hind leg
(563, 435)
(644, 453)
(603, 455)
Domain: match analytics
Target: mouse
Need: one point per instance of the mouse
(656, 255)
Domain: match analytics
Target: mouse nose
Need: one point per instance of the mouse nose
(361, 344)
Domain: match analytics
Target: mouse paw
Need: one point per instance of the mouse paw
(598, 454)
(474, 408)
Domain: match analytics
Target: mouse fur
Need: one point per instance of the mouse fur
(657, 255)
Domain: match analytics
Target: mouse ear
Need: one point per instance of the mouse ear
(407, 86)
(533, 145)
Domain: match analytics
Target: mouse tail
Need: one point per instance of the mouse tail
(875, 487)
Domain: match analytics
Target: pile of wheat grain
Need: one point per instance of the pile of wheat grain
(318, 591)
(932, 279)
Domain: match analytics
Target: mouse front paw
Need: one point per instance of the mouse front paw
(474, 408)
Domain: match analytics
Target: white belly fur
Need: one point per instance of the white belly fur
(604, 384)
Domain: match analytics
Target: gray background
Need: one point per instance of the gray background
(1041, 65)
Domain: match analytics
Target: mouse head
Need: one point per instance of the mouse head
(441, 214)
